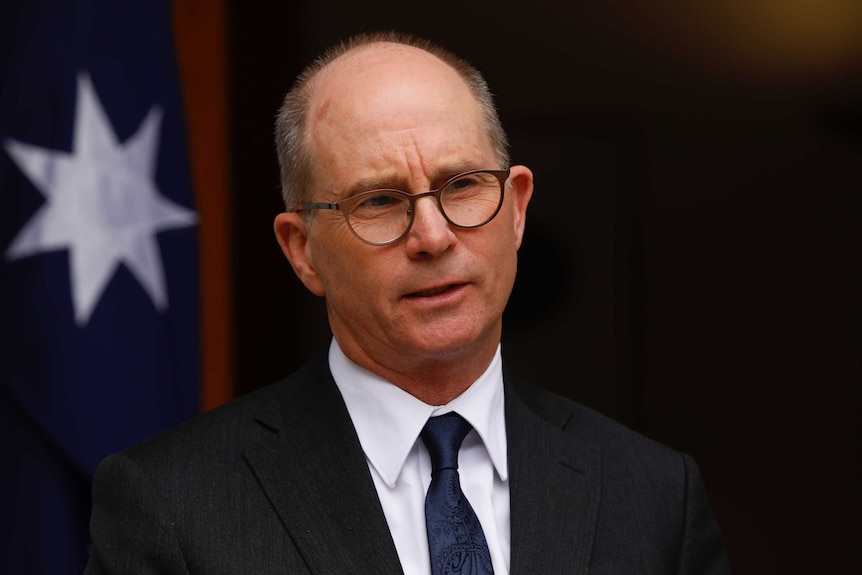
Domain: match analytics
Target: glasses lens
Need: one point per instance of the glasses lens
(379, 217)
(472, 199)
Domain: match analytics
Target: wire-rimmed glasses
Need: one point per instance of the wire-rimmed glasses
(382, 217)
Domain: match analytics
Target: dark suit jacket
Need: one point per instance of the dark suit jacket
(276, 482)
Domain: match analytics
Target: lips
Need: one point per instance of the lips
(432, 292)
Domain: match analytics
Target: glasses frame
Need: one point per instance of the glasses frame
(343, 207)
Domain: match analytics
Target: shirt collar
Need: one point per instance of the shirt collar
(388, 420)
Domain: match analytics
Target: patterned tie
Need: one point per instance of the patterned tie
(455, 538)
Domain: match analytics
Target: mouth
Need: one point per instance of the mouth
(433, 291)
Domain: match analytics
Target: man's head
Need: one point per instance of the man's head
(426, 311)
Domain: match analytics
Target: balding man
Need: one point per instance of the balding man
(405, 447)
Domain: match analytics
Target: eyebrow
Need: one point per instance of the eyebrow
(370, 183)
(377, 183)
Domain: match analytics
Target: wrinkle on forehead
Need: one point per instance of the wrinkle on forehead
(393, 114)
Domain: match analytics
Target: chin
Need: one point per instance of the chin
(448, 342)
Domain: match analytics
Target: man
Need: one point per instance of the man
(404, 214)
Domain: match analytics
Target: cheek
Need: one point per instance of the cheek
(351, 276)
(505, 261)
(504, 237)
(342, 280)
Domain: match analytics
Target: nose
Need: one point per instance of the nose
(430, 235)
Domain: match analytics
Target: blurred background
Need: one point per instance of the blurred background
(691, 266)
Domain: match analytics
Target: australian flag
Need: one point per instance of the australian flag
(98, 261)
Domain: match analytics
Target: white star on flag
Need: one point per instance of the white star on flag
(102, 204)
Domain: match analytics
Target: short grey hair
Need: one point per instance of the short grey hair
(294, 156)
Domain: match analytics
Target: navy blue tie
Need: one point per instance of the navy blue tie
(455, 538)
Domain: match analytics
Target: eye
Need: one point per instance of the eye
(462, 183)
(376, 201)
(378, 204)
(466, 187)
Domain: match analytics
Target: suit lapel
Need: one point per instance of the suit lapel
(554, 491)
(315, 474)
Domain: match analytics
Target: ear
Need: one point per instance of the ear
(292, 235)
(520, 190)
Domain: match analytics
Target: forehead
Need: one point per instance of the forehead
(382, 64)
(372, 106)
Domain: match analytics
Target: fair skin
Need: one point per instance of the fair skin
(425, 313)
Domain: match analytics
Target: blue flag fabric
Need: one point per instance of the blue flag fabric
(98, 261)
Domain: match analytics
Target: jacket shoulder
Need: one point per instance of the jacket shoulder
(242, 422)
(616, 441)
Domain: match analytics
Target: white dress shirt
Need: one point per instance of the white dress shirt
(388, 421)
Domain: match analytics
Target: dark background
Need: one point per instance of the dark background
(691, 264)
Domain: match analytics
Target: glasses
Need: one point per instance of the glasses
(382, 217)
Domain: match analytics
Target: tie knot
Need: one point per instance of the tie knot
(443, 436)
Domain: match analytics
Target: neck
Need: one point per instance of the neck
(435, 381)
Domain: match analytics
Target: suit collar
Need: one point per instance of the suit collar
(554, 484)
(327, 501)
(329, 505)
